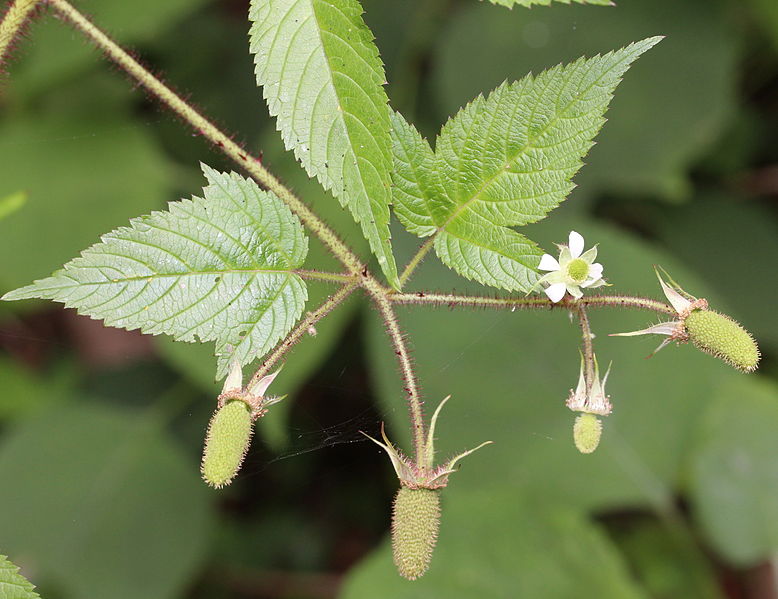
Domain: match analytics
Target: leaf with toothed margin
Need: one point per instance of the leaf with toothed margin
(12, 584)
(323, 79)
(218, 268)
(504, 160)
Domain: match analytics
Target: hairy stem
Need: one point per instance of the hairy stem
(350, 260)
(302, 329)
(588, 347)
(416, 260)
(528, 303)
(13, 21)
(415, 405)
(198, 122)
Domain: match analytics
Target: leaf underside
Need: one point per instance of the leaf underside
(504, 160)
(12, 584)
(218, 268)
(323, 79)
(529, 3)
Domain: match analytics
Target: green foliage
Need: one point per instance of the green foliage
(497, 544)
(12, 584)
(665, 559)
(103, 502)
(22, 391)
(502, 161)
(11, 203)
(666, 114)
(734, 472)
(322, 78)
(57, 54)
(127, 176)
(745, 286)
(510, 374)
(214, 268)
(512, 3)
(195, 360)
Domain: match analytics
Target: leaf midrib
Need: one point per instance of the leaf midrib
(520, 152)
(118, 281)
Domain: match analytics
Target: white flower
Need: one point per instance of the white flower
(574, 269)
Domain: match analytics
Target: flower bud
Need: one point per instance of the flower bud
(724, 338)
(226, 443)
(415, 524)
(587, 431)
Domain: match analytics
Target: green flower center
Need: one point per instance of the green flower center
(578, 270)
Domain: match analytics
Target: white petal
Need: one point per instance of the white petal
(595, 271)
(679, 302)
(548, 262)
(575, 291)
(556, 292)
(594, 284)
(590, 255)
(576, 244)
(259, 388)
(234, 380)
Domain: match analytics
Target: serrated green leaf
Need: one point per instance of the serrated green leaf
(214, 269)
(322, 78)
(686, 109)
(194, 360)
(503, 161)
(512, 3)
(509, 374)
(12, 584)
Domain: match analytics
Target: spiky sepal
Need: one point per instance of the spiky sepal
(422, 474)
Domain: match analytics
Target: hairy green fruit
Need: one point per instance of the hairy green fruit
(226, 443)
(587, 431)
(720, 336)
(415, 524)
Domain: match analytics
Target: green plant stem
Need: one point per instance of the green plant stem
(302, 329)
(13, 21)
(527, 303)
(381, 297)
(328, 277)
(416, 260)
(197, 121)
(252, 165)
(588, 347)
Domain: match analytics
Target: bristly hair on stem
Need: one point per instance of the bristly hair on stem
(454, 300)
(356, 275)
(407, 371)
(13, 24)
(301, 330)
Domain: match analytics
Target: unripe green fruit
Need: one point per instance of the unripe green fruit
(226, 443)
(587, 431)
(415, 524)
(724, 338)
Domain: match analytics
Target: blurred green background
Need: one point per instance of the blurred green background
(100, 429)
